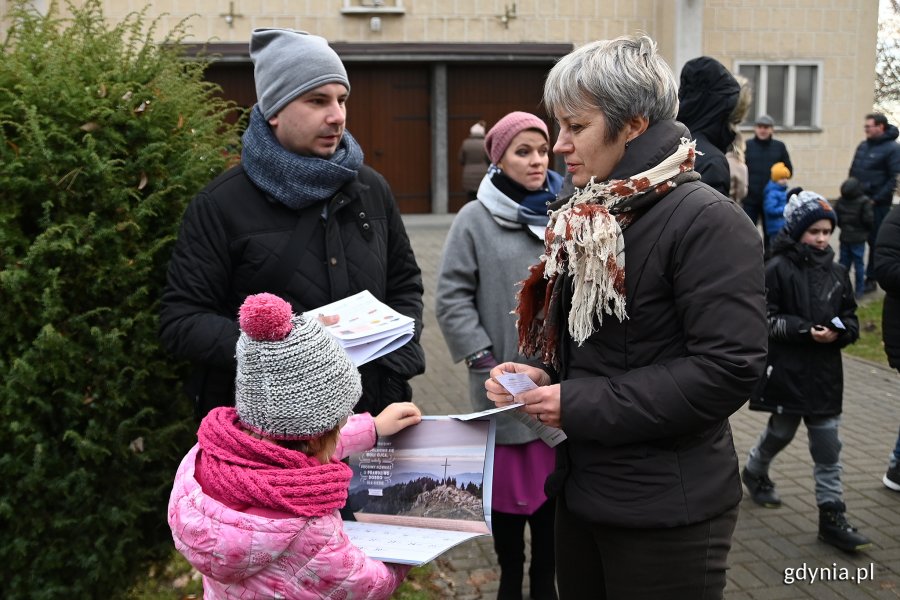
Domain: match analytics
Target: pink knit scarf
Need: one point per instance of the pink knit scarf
(239, 469)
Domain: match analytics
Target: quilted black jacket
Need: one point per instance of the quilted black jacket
(231, 240)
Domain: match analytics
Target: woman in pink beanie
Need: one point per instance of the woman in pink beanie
(488, 250)
(255, 503)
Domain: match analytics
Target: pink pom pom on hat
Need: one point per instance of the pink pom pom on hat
(265, 317)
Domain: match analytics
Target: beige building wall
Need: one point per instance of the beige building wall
(840, 34)
(410, 21)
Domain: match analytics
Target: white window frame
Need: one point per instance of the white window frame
(371, 7)
(760, 106)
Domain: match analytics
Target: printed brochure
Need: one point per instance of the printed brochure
(367, 328)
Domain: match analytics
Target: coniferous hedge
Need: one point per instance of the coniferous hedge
(105, 135)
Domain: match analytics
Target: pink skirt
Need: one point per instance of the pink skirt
(519, 474)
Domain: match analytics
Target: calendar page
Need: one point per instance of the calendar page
(404, 545)
(423, 490)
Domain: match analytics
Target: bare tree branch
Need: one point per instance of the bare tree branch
(887, 62)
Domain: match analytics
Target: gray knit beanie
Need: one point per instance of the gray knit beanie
(294, 381)
(288, 63)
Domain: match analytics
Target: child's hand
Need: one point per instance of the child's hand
(396, 417)
(823, 334)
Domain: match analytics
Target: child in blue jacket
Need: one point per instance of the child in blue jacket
(775, 199)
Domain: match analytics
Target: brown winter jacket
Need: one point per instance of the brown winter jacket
(475, 162)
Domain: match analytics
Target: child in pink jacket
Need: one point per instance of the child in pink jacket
(255, 503)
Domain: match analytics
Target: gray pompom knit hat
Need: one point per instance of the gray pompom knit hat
(804, 209)
(294, 380)
(288, 63)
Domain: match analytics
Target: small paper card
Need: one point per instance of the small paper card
(516, 383)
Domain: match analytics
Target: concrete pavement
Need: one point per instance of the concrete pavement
(767, 543)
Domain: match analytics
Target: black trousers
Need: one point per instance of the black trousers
(509, 543)
(616, 563)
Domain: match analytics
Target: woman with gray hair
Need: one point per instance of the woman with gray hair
(647, 311)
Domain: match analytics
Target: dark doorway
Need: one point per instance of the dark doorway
(389, 114)
(487, 92)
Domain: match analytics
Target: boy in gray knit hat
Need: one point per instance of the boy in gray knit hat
(301, 214)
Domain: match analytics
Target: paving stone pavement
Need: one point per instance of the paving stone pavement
(767, 542)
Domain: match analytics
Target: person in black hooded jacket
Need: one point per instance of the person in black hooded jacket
(812, 315)
(856, 219)
(707, 96)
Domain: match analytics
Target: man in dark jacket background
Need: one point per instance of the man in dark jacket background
(876, 165)
(301, 217)
(762, 151)
(707, 95)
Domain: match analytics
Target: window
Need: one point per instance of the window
(788, 92)
(373, 7)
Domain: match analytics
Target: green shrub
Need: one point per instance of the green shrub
(105, 135)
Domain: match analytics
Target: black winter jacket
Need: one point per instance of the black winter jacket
(887, 272)
(760, 155)
(854, 213)
(712, 166)
(645, 402)
(876, 165)
(231, 239)
(805, 287)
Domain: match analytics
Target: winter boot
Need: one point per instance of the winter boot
(761, 488)
(836, 531)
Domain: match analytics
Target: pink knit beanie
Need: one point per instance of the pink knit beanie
(502, 133)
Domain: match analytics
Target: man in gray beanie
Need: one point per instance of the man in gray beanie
(301, 216)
